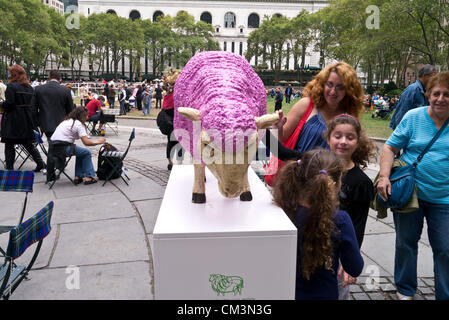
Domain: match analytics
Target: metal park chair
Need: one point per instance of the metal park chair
(110, 117)
(115, 160)
(22, 153)
(21, 237)
(57, 161)
(40, 142)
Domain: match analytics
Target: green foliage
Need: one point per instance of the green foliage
(33, 34)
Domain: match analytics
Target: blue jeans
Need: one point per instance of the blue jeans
(408, 232)
(83, 164)
(146, 107)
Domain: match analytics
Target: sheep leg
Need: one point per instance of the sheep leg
(246, 195)
(199, 185)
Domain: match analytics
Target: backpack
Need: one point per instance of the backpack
(104, 168)
(164, 122)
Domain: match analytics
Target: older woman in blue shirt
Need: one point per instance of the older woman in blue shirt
(412, 135)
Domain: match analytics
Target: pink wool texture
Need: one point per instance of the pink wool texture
(227, 91)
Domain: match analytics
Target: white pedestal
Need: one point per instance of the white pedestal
(250, 247)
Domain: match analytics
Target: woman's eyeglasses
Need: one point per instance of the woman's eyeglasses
(338, 87)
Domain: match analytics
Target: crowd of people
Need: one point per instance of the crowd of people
(49, 109)
(322, 186)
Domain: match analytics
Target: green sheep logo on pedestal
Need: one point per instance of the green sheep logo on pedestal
(225, 284)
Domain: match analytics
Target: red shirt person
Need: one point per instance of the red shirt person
(93, 106)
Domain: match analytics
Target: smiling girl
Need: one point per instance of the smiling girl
(347, 139)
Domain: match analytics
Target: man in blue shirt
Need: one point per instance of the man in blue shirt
(413, 96)
(288, 93)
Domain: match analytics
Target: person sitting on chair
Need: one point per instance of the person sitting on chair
(93, 106)
(73, 128)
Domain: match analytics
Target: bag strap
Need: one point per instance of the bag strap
(293, 139)
(437, 135)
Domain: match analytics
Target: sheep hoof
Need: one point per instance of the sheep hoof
(198, 198)
(246, 196)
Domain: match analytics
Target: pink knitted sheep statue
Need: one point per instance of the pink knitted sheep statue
(220, 103)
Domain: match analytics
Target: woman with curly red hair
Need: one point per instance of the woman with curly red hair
(334, 90)
(19, 121)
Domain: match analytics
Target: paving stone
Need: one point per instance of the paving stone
(429, 281)
(149, 210)
(421, 283)
(376, 296)
(418, 297)
(119, 281)
(388, 287)
(425, 290)
(360, 296)
(393, 296)
(430, 297)
(99, 242)
(371, 288)
(355, 288)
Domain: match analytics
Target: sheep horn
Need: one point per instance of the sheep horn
(190, 113)
(266, 120)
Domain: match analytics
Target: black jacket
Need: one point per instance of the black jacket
(51, 103)
(158, 92)
(18, 121)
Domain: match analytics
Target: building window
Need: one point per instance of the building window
(157, 14)
(217, 29)
(233, 47)
(110, 11)
(206, 17)
(134, 15)
(253, 20)
(278, 15)
(229, 20)
(241, 49)
(225, 46)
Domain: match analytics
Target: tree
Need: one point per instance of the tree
(300, 38)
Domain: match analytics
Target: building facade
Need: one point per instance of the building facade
(233, 20)
(55, 4)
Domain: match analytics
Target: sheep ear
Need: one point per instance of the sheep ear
(266, 120)
(205, 137)
(190, 113)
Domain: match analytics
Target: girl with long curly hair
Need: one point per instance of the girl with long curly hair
(307, 190)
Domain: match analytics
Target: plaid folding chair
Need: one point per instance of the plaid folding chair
(57, 161)
(21, 238)
(18, 181)
(115, 159)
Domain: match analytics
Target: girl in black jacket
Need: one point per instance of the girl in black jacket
(18, 120)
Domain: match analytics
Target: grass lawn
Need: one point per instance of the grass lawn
(376, 128)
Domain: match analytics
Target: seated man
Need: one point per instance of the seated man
(92, 107)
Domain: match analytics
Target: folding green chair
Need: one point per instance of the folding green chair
(21, 238)
(115, 159)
